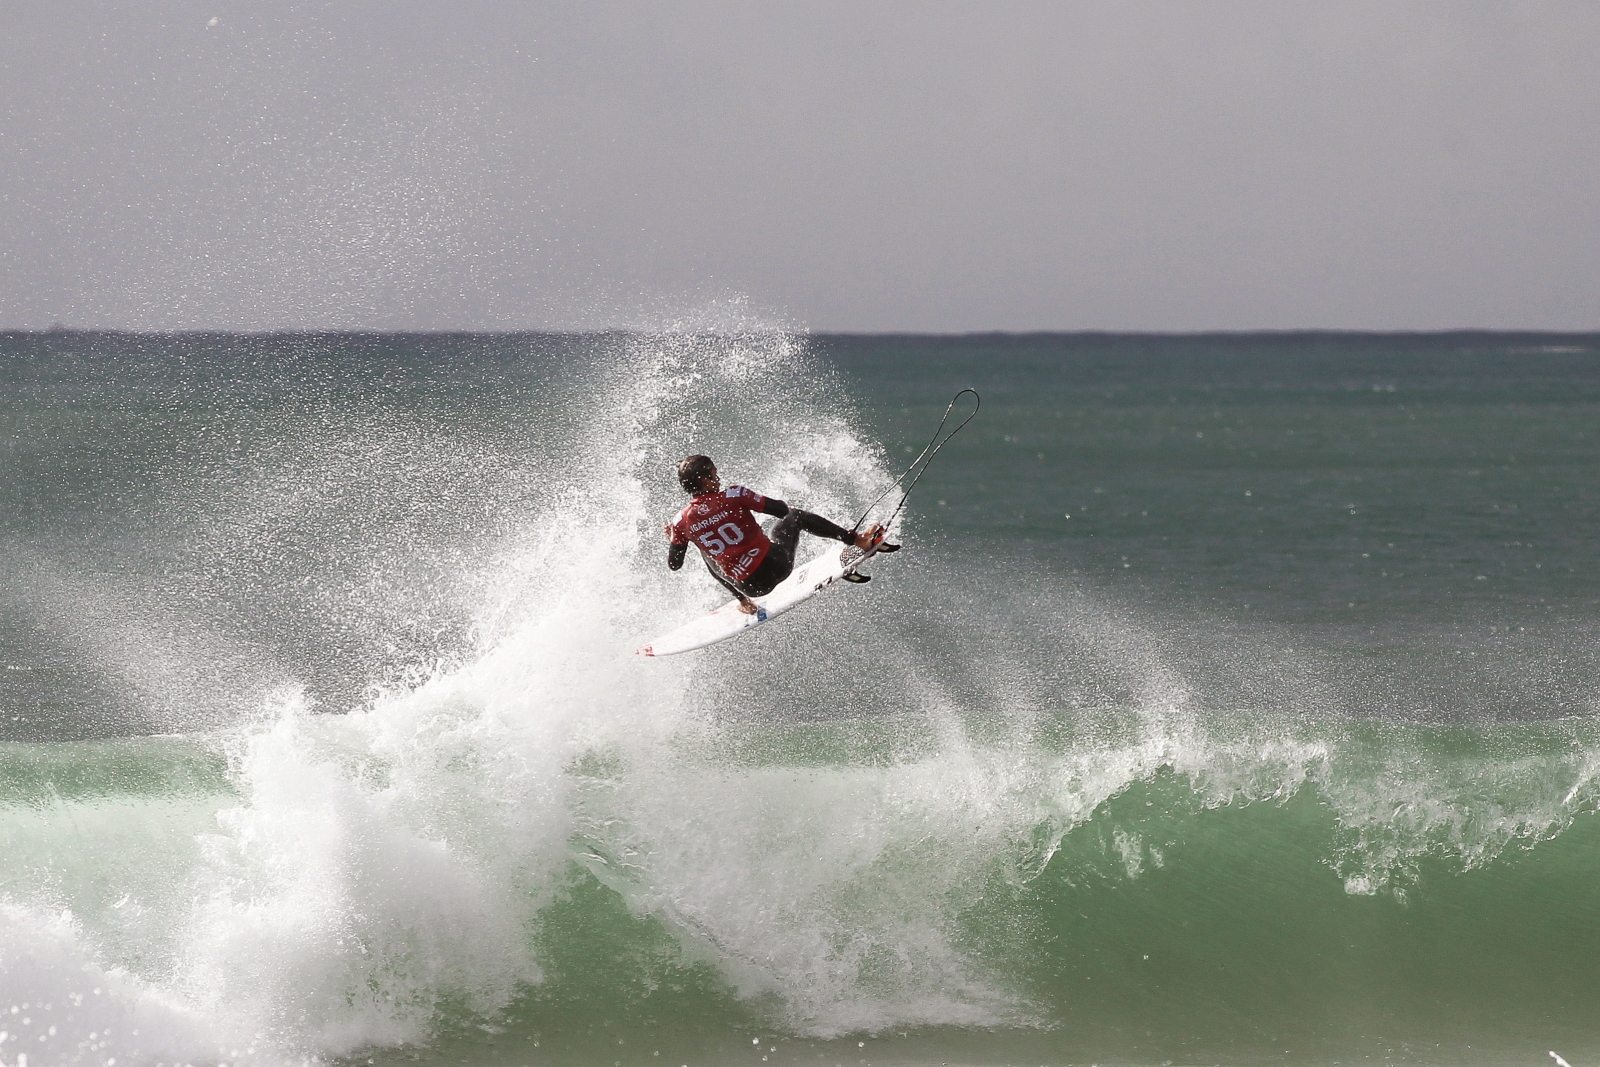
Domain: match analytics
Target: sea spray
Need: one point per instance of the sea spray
(385, 866)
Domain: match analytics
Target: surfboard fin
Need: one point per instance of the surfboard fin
(859, 579)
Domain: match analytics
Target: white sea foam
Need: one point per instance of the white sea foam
(60, 1005)
(380, 867)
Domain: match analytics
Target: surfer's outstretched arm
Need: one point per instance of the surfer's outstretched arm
(788, 531)
(818, 526)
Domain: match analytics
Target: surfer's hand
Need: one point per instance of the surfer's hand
(747, 605)
(865, 537)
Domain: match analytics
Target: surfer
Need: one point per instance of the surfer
(738, 553)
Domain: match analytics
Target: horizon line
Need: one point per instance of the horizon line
(58, 330)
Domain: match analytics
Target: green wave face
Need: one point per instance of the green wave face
(1392, 894)
(1319, 893)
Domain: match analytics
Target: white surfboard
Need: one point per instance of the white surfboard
(728, 621)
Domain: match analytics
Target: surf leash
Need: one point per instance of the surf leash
(924, 458)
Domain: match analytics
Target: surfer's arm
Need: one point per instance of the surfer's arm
(675, 550)
(753, 500)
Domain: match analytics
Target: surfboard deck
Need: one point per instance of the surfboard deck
(728, 621)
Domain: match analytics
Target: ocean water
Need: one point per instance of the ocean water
(1233, 702)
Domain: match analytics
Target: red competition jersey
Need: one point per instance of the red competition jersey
(722, 527)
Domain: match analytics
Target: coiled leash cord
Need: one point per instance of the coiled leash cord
(930, 450)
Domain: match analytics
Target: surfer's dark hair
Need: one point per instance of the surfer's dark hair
(693, 471)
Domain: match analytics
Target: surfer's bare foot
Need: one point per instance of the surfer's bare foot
(747, 606)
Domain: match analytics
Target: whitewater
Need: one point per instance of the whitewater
(327, 742)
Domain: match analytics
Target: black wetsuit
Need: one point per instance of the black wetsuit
(779, 561)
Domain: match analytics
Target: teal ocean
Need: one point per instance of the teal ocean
(1233, 702)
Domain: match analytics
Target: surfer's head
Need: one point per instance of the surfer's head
(698, 474)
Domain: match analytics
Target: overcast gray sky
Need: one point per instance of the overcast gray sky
(835, 165)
